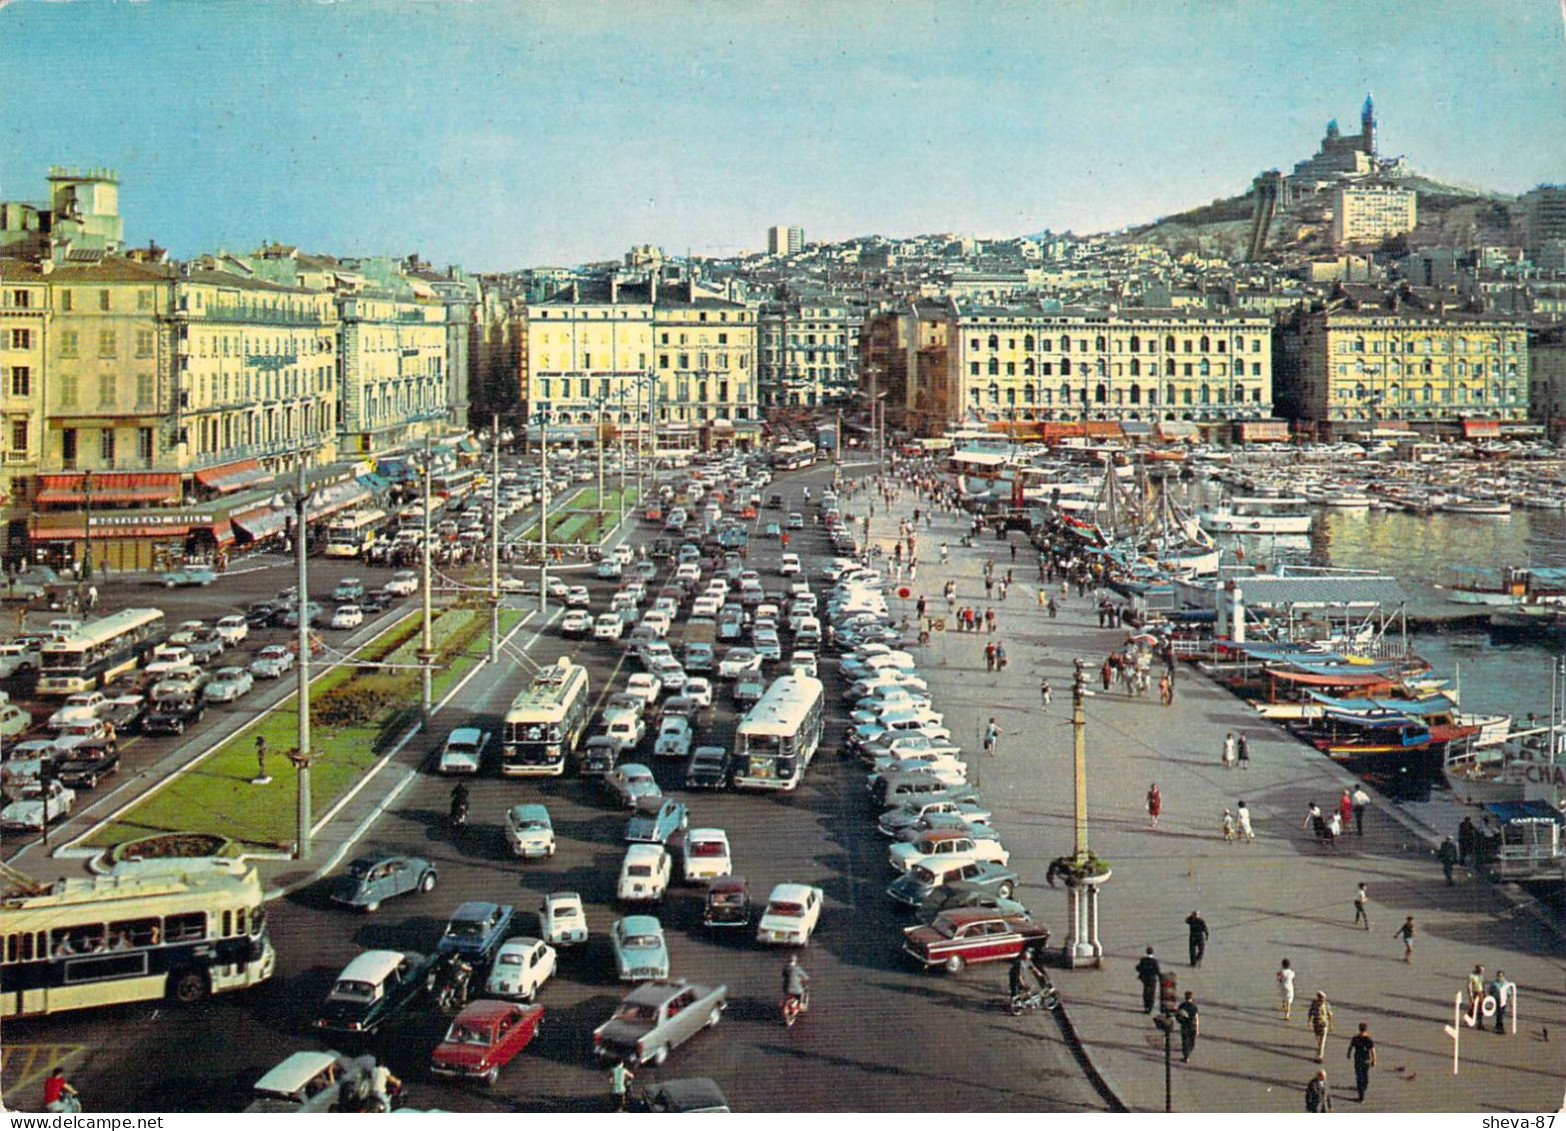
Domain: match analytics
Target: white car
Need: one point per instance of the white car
(804, 663)
(608, 626)
(657, 620)
(698, 689)
(942, 848)
(674, 738)
(232, 630)
(577, 622)
(227, 685)
(521, 966)
(793, 910)
(273, 662)
(83, 706)
(39, 805)
(645, 686)
(670, 674)
(644, 874)
(464, 751)
(737, 661)
(563, 921)
(706, 855)
(529, 831)
(577, 597)
(623, 554)
(347, 616)
(789, 566)
(626, 728)
(404, 583)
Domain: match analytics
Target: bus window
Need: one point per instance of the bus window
(239, 922)
(77, 940)
(228, 924)
(185, 928)
(134, 932)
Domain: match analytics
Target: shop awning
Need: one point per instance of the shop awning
(233, 476)
(261, 523)
(336, 496)
(374, 482)
(108, 487)
(469, 444)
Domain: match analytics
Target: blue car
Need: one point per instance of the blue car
(640, 952)
(656, 819)
(190, 577)
(476, 930)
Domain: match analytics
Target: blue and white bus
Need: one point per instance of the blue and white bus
(98, 651)
(546, 721)
(779, 735)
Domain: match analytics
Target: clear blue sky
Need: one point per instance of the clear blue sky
(506, 134)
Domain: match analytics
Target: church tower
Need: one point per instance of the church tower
(1367, 127)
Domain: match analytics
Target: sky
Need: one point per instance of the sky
(502, 134)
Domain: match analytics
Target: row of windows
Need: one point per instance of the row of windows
(1428, 345)
(242, 345)
(666, 414)
(1103, 394)
(1428, 393)
(69, 447)
(1204, 344)
(1203, 368)
(108, 343)
(217, 434)
(682, 391)
(126, 934)
(572, 314)
(105, 299)
(1432, 369)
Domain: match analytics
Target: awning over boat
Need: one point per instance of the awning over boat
(234, 476)
(979, 459)
(108, 487)
(1418, 708)
(1323, 679)
(1525, 812)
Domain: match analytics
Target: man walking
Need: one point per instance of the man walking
(991, 735)
(1362, 1050)
(1046, 693)
(1242, 752)
(1361, 800)
(1406, 933)
(1318, 1096)
(1197, 928)
(1320, 1018)
(1190, 1024)
(1362, 907)
(1502, 991)
(1447, 854)
(1148, 972)
(1475, 986)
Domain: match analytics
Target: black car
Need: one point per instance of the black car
(172, 716)
(263, 614)
(708, 768)
(85, 766)
(374, 988)
(599, 755)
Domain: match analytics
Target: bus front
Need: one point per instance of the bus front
(62, 670)
(767, 760)
(534, 747)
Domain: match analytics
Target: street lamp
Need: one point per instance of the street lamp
(1083, 872)
(86, 570)
(301, 757)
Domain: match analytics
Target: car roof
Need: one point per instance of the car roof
(296, 1071)
(487, 1012)
(791, 893)
(706, 834)
(640, 925)
(529, 810)
(519, 942)
(556, 896)
(373, 966)
(475, 909)
(961, 916)
(465, 734)
(935, 835)
(634, 851)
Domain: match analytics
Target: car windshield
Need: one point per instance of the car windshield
(532, 823)
(510, 958)
(638, 870)
(354, 991)
(467, 1035)
(465, 929)
(634, 1011)
(641, 940)
(785, 910)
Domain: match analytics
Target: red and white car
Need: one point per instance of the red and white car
(955, 939)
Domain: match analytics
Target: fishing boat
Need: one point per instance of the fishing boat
(1475, 507)
(1255, 514)
(1510, 585)
(1400, 754)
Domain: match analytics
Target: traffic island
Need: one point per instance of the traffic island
(357, 715)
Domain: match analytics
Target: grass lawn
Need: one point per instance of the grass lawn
(217, 796)
(580, 521)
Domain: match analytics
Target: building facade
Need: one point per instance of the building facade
(809, 353)
(392, 388)
(1370, 213)
(1353, 362)
(785, 240)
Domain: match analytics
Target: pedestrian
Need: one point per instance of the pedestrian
(989, 656)
(1476, 987)
(1148, 972)
(620, 1078)
(1362, 906)
(989, 585)
(1362, 1050)
(1320, 1018)
(1107, 674)
(1318, 1095)
(1286, 989)
(1242, 748)
(1228, 751)
(1503, 992)
(58, 1094)
(1046, 693)
(944, 553)
(1196, 929)
(1155, 803)
(991, 736)
(1054, 609)
(1002, 591)
(1043, 598)
(1165, 690)
(1406, 933)
(1243, 815)
(989, 620)
(1228, 827)
(1314, 822)
(1014, 551)
(1467, 840)
(1334, 829)
(1447, 854)
(1345, 808)
(1186, 1015)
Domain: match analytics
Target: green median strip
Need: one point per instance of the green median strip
(356, 715)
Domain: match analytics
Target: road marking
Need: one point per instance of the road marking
(24, 1065)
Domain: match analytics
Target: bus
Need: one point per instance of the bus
(98, 651)
(454, 485)
(793, 455)
(546, 721)
(145, 932)
(350, 535)
(779, 735)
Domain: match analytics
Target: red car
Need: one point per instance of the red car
(972, 934)
(483, 1039)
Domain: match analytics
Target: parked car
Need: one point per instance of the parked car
(629, 781)
(521, 966)
(708, 768)
(918, 885)
(372, 880)
(912, 812)
(84, 705)
(946, 846)
(959, 938)
(484, 1038)
(674, 738)
(227, 685)
(698, 689)
(656, 1018)
(748, 688)
(346, 616)
(644, 874)
(562, 919)
(14, 720)
(705, 855)
(464, 751)
(738, 661)
(18, 656)
(640, 951)
(645, 685)
(529, 831)
(272, 662)
(376, 987)
(791, 915)
(476, 930)
(307, 1082)
(688, 1095)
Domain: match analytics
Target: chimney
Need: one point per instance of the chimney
(614, 289)
(652, 289)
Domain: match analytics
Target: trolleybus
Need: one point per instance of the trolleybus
(350, 535)
(779, 735)
(546, 721)
(97, 651)
(147, 931)
(793, 455)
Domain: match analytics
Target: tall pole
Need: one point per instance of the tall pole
(1079, 754)
(600, 419)
(875, 384)
(620, 428)
(86, 570)
(427, 641)
(303, 818)
(543, 511)
(494, 540)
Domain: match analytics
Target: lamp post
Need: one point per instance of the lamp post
(543, 510)
(86, 571)
(494, 539)
(1084, 874)
(427, 639)
(302, 808)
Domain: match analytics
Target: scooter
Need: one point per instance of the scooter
(1044, 997)
(793, 1005)
(459, 817)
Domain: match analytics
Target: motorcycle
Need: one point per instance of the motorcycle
(459, 817)
(793, 1005)
(1044, 997)
(452, 992)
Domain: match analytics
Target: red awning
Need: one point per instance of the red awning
(233, 476)
(1347, 679)
(109, 487)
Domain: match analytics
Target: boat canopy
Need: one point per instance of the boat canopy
(1435, 705)
(1324, 679)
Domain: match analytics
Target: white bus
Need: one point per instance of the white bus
(98, 651)
(793, 455)
(162, 929)
(546, 721)
(350, 535)
(779, 735)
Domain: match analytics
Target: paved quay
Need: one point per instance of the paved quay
(1281, 896)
